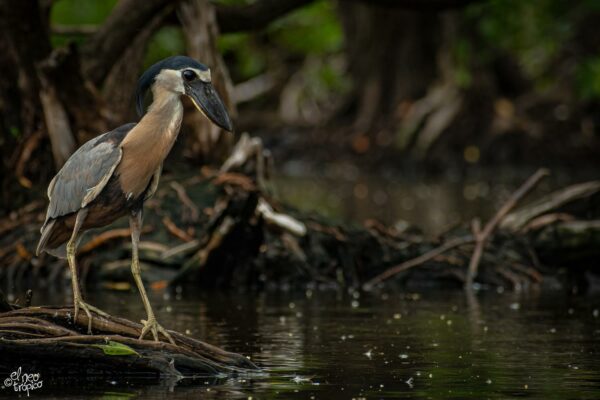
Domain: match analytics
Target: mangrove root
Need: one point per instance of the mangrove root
(47, 340)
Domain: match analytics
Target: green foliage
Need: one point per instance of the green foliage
(78, 12)
(463, 53)
(532, 30)
(537, 33)
(588, 79)
(310, 38)
(168, 41)
(249, 59)
(81, 12)
(314, 29)
(311, 30)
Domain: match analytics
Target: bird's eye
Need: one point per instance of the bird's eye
(189, 75)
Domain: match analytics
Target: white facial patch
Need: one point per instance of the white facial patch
(171, 80)
(204, 76)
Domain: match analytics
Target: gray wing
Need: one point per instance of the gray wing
(85, 173)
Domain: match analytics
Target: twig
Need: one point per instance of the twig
(509, 276)
(148, 245)
(104, 237)
(29, 147)
(283, 221)
(235, 179)
(199, 259)
(185, 199)
(215, 240)
(418, 260)
(175, 231)
(329, 230)
(517, 220)
(80, 30)
(28, 297)
(545, 220)
(254, 87)
(22, 216)
(481, 237)
(529, 271)
(182, 248)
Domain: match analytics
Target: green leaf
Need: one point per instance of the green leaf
(116, 349)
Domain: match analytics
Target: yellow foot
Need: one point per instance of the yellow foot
(152, 326)
(79, 303)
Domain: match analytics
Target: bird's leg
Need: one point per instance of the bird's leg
(77, 298)
(150, 324)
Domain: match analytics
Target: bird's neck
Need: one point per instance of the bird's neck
(147, 145)
(159, 127)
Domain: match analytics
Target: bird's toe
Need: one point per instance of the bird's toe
(88, 309)
(155, 328)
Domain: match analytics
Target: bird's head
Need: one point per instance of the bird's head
(185, 76)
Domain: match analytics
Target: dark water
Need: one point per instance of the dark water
(317, 345)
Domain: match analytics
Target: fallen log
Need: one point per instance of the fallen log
(48, 341)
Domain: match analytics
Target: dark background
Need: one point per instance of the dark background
(429, 86)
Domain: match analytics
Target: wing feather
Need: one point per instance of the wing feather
(85, 173)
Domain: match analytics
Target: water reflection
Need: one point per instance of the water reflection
(386, 345)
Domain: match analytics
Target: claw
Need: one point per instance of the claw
(152, 326)
(88, 312)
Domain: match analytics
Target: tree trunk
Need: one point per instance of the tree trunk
(208, 143)
(122, 79)
(24, 42)
(392, 58)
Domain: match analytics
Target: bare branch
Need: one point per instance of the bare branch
(82, 30)
(254, 16)
(423, 5)
(109, 43)
(57, 123)
(413, 262)
(481, 237)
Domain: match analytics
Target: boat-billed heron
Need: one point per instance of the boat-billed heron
(115, 173)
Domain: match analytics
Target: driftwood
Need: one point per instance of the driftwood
(58, 346)
(479, 238)
(226, 229)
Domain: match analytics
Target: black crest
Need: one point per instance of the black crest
(147, 78)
